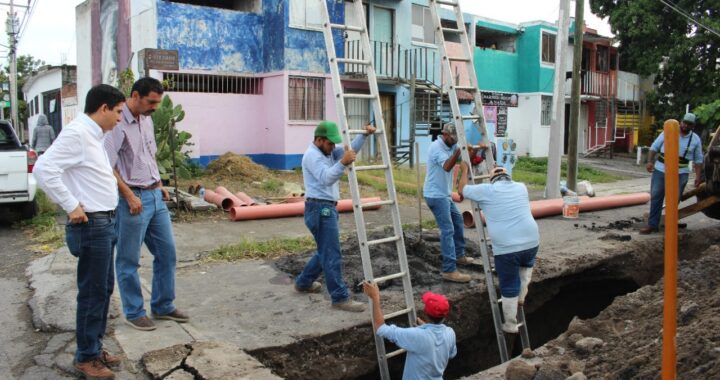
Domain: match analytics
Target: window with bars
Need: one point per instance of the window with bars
(220, 84)
(306, 98)
(548, 48)
(546, 110)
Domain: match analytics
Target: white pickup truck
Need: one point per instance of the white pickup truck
(17, 183)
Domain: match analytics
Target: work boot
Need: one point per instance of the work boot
(94, 369)
(314, 288)
(143, 323)
(350, 305)
(648, 230)
(110, 360)
(510, 307)
(525, 277)
(176, 315)
(465, 260)
(456, 277)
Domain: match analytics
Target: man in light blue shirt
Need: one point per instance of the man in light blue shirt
(443, 154)
(514, 234)
(429, 346)
(690, 151)
(323, 165)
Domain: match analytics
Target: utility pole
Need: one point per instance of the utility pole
(557, 125)
(575, 97)
(12, 55)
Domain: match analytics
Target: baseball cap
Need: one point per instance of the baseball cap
(436, 305)
(689, 118)
(449, 128)
(329, 130)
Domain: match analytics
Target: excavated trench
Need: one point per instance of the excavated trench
(583, 289)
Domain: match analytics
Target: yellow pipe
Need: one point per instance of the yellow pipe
(672, 190)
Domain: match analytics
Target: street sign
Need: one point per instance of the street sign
(4, 104)
(158, 59)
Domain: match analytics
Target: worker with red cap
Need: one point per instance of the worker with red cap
(429, 346)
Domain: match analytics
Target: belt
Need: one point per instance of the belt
(100, 214)
(317, 200)
(151, 187)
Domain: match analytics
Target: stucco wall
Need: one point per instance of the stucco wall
(83, 51)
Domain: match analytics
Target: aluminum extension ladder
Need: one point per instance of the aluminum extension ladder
(459, 119)
(386, 166)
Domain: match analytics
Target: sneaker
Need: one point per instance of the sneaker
(456, 277)
(143, 323)
(176, 315)
(110, 360)
(94, 369)
(465, 260)
(648, 230)
(350, 305)
(314, 288)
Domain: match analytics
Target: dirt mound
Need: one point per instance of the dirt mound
(424, 259)
(231, 165)
(625, 340)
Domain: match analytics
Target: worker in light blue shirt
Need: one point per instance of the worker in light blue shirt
(443, 154)
(690, 151)
(429, 346)
(323, 165)
(514, 234)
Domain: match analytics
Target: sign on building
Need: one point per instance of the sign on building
(158, 59)
(500, 99)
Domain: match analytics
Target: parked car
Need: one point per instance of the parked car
(17, 183)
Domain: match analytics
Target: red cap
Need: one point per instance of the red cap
(436, 305)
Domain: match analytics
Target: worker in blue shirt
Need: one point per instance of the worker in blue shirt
(443, 154)
(690, 151)
(514, 235)
(323, 165)
(429, 346)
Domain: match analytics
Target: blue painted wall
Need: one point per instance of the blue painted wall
(210, 38)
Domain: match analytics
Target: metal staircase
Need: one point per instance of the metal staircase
(386, 166)
(458, 118)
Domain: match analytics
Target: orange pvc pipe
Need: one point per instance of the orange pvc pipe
(672, 190)
(229, 199)
(550, 207)
(245, 199)
(289, 209)
(213, 197)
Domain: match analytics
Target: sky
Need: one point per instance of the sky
(50, 33)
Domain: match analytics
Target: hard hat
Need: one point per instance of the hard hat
(498, 173)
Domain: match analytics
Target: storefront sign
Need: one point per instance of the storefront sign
(501, 99)
(158, 59)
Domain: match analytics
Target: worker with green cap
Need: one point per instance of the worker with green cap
(690, 151)
(323, 165)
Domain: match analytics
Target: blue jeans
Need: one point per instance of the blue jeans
(508, 267)
(153, 227)
(92, 243)
(321, 218)
(450, 222)
(657, 195)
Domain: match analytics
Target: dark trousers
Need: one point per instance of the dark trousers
(93, 244)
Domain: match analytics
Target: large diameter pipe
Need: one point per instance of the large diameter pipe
(290, 209)
(229, 199)
(213, 197)
(550, 207)
(245, 199)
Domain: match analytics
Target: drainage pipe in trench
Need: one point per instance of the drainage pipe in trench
(550, 207)
(291, 209)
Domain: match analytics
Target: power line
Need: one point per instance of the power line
(689, 17)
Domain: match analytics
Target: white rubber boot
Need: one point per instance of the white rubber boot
(510, 307)
(525, 277)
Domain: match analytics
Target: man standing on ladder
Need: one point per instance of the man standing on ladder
(514, 235)
(323, 165)
(430, 345)
(443, 154)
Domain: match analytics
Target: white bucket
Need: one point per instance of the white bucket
(571, 207)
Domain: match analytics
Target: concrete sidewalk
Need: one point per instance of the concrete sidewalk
(250, 304)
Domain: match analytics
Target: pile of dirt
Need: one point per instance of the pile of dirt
(625, 340)
(231, 165)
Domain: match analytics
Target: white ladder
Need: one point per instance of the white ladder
(459, 119)
(386, 166)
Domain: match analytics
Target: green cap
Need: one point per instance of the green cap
(329, 130)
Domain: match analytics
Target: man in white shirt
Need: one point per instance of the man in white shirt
(76, 174)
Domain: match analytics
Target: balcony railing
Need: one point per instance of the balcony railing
(599, 83)
(392, 61)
